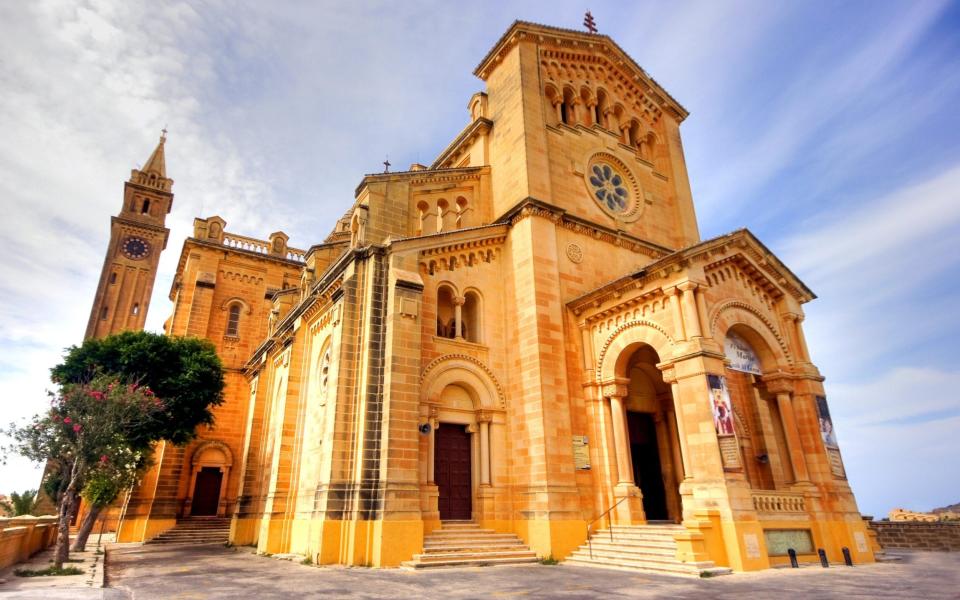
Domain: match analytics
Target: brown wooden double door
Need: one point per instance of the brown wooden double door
(452, 472)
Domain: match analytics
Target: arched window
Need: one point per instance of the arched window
(113, 278)
(145, 209)
(103, 313)
(233, 321)
(136, 309)
(601, 108)
(446, 313)
(422, 210)
(471, 318)
(567, 109)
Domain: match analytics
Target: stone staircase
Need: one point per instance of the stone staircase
(464, 544)
(647, 548)
(196, 530)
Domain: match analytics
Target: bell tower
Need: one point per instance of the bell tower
(137, 237)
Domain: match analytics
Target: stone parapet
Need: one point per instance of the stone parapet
(943, 536)
(22, 537)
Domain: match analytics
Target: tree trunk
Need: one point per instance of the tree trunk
(62, 550)
(89, 519)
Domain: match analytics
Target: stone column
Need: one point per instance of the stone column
(590, 113)
(484, 418)
(702, 312)
(621, 441)
(556, 109)
(691, 318)
(458, 303)
(431, 449)
(669, 377)
(677, 313)
(782, 388)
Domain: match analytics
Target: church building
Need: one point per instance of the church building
(521, 350)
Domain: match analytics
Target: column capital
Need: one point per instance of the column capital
(792, 316)
(615, 388)
(688, 285)
(459, 300)
(671, 290)
(484, 416)
(778, 383)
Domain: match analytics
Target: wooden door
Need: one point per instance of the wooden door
(645, 453)
(206, 494)
(452, 472)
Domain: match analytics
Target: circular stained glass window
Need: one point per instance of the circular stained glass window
(609, 187)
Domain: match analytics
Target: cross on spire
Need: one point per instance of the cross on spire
(386, 165)
(589, 22)
(163, 133)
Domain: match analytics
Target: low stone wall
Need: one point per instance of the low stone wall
(22, 537)
(916, 535)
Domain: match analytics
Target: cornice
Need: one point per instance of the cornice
(481, 126)
(417, 176)
(533, 207)
(579, 41)
(741, 241)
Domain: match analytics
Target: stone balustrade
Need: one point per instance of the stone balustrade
(767, 502)
(22, 537)
(242, 242)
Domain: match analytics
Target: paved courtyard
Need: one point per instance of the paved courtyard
(203, 572)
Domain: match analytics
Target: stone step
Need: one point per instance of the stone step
(637, 535)
(459, 525)
(456, 532)
(476, 546)
(444, 556)
(466, 562)
(632, 550)
(629, 566)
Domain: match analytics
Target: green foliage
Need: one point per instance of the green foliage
(185, 373)
(306, 561)
(47, 571)
(549, 560)
(20, 504)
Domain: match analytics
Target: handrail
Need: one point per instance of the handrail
(602, 515)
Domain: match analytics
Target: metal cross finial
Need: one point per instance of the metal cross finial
(386, 165)
(589, 22)
(163, 133)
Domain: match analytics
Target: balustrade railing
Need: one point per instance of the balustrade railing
(779, 502)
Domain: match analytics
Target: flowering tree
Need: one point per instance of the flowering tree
(90, 433)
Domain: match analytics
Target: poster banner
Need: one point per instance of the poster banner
(720, 404)
(741, 355)
(826, 424)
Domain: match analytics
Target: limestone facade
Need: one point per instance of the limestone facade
(540, 295)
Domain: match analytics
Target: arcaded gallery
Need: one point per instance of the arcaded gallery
(521, 350)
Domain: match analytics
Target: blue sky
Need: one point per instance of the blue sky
(828, 128)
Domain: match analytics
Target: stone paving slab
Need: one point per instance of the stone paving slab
(209, 572)
(81, 587)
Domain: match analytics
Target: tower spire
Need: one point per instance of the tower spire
(157, 164)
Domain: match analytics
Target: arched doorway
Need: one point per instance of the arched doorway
(653, 438)
(453, 473)
(211, 464)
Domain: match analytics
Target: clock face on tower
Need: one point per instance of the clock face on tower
(135, 248)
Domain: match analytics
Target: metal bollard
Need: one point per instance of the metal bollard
(847, 559)
(823, 558)
(793, 558)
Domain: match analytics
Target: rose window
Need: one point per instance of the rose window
(609, 188)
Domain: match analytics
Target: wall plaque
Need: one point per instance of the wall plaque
(836, 463)
(752, 545)
(861, 541)
(581, 453)
(781, 540)
(729, 451)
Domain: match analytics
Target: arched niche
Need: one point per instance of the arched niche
(753, 326)
(466, 372)
(620, 345)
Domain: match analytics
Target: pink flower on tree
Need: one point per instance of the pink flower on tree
(103, 458)
(76, 428)
(66, 420)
